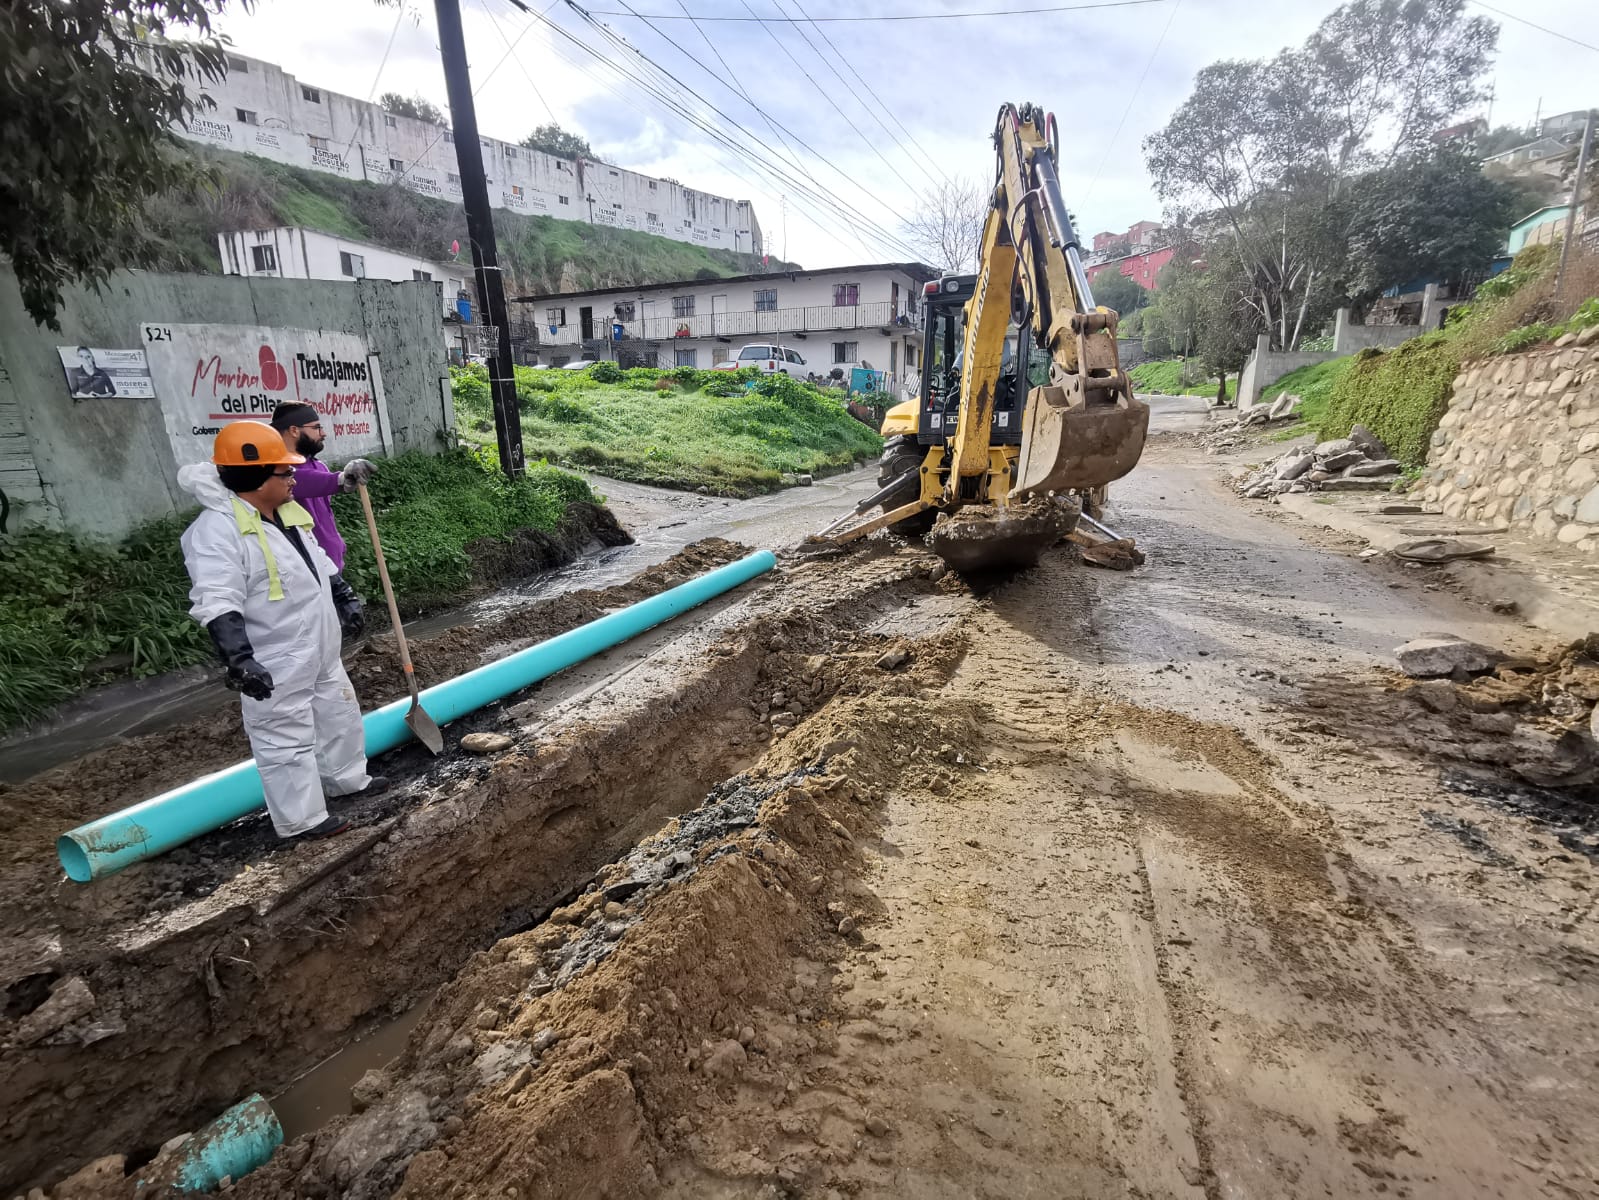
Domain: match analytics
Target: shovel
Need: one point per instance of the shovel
(416, 719)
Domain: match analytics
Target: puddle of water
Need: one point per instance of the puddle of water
(323, 1092)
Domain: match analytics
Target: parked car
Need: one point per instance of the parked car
(767, 359)
(582, 364)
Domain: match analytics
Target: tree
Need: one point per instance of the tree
(1120, 248)
(946, 226)
(1439, 215)
(552, 139)
(1121, 292)
(1270, 148)
(92, 90)
(418, 108)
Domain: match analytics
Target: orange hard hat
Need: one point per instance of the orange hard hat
(251, 444)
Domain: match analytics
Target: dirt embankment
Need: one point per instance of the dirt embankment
(34, 899)
(199, 999)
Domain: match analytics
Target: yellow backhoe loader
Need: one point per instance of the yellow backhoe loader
(1024, 413)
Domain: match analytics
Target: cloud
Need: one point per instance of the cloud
(943, 81)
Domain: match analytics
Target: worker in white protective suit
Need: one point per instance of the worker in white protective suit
(275, 606)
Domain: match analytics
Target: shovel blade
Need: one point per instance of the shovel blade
(423, 726)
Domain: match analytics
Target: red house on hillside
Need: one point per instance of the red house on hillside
(1142, 269)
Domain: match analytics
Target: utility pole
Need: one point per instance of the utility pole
(480, 232)
(1576, 199)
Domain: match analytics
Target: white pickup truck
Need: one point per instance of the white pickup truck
(767, 359)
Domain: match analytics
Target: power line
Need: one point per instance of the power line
(845, 210)
(946, 16)
(870, 91)
(1133, 99)
(870, 145)
(741, 170)
(376, 79)
(483, 4)
(1540, 28)
(817, 50)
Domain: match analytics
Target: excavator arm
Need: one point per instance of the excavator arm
(1080, 430)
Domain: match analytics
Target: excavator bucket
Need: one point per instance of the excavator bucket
(1073, 445)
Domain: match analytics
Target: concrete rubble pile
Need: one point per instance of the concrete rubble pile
(1225, 435)
(1357, 463)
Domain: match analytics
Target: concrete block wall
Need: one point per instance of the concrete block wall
(106, 466)
(1520, 443)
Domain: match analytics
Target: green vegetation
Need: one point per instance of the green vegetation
(732, 432)
(537, 253)
(1173, 377)
(75, 612)
(1314, 385)
(1401, 394)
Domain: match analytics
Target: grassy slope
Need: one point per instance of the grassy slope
(678, 437)
(1314, 384)
(539, 253)
(1164, 377)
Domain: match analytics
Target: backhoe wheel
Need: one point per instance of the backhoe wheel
(902, 462)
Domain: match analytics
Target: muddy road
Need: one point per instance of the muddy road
(876, 882)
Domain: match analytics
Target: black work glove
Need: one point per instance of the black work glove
(352, 616)
(233, 645)
(356, 472)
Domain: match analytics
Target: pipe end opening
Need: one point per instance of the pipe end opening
(74, 859)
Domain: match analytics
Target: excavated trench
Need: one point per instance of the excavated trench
(230, 986)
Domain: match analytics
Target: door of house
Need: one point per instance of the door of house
(646, 320)
(719, 315)
(585, 317)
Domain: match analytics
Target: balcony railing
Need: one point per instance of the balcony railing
(820, 318)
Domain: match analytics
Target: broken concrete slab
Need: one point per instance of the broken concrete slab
(1336, 446)
(1343, 460)
(1443, 654)
(1292, 466)
(1368, 441)
(1381, 466)
(69, 1000)
(1346, 484)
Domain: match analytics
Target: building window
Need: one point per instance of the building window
(652, 218)
(237, 65)
(688, 358)
(310, 94)
(317, 143)
(388, 119)
(766, 300)
(244, 116)
(613, 174)
(844, 352)
(396, 164)
(454, 179)
(846, 295)
(557, 316)
(652, 185)
(682, 306)
(510, 152)
(516, 190)
(353, 265)
(449, 137)
(720, 354)
(421, 276)
(625, 310)
(564, 199)
(265, 258)
(616, 206)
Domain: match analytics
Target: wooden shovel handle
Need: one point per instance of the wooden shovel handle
(388, 591)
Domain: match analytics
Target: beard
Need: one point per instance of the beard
(307, 446)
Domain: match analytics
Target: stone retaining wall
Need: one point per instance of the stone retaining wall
(1520, 443)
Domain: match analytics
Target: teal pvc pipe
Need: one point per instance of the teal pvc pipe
(230, 1147)
(113, 842)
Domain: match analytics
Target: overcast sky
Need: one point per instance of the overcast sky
(942, 81)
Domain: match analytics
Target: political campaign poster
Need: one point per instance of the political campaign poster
(209, 375)
(94, 373)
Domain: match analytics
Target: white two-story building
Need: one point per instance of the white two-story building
(289, 252)
(261, 109)
(836, 315)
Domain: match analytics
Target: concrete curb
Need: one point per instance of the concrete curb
(1485, 581)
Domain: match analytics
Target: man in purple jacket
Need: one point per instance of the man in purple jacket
(314, 483)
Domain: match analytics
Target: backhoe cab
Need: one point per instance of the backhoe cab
(1024, 414)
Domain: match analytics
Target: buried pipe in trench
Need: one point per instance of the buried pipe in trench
(230, 1147)
(157, 825)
